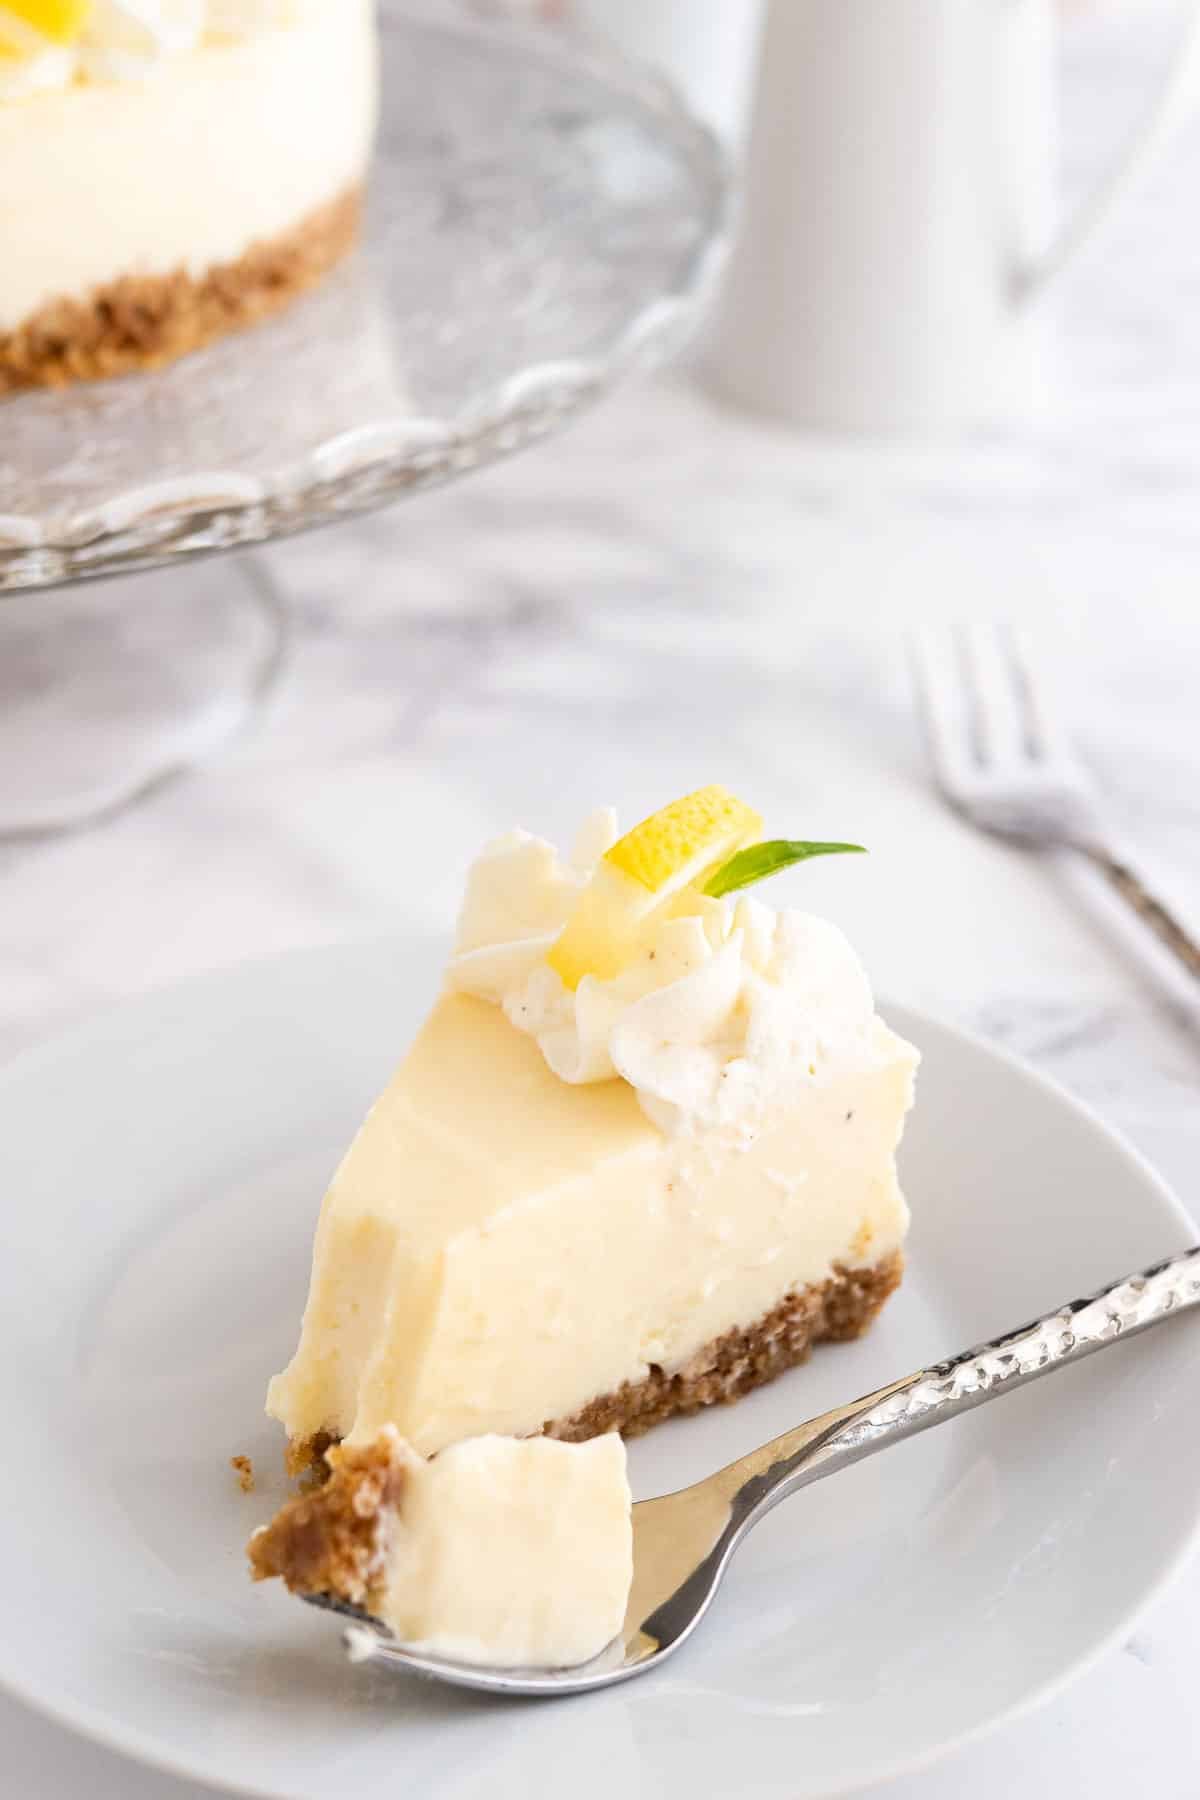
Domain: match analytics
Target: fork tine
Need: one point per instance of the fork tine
(938, 688)
(996, 698)
(1042, 732)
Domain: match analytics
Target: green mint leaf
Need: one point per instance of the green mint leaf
(761, 860)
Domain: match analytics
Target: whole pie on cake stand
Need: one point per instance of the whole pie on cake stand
(542, 220)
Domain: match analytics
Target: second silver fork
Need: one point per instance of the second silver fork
(1002, 759)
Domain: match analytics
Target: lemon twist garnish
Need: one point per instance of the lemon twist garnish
(59, 21)
(675, 849)
(677, 845)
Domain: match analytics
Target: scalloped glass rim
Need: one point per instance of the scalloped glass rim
(593, 210)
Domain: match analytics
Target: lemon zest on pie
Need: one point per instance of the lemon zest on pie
(59, 21)
(652, 867)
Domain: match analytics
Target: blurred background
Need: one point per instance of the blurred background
(717, 575)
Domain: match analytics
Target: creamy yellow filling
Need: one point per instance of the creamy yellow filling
(511, 1554)
(499, 1248)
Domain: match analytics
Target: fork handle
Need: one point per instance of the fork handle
(1167, 927)
(931, 1396)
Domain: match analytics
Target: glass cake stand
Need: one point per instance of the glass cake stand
(545, 219)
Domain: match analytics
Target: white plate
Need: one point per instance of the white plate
(160, 1174)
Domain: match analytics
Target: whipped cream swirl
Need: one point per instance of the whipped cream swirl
(124, 40)
(128, 40)
(723, 1013)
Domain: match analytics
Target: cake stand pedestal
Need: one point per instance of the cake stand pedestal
(545, 220)
(110, 690)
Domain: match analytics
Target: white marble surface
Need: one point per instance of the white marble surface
(670, 595)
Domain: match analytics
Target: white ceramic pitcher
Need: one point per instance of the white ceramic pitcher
(899, 222)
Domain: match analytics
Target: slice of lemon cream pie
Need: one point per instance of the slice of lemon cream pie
(171, 170)
(640, 1157)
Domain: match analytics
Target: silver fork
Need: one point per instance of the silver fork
(1003, 761)
(683, 1543)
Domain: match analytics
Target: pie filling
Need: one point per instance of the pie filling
(734, 1364)
(144, 321)
(500, 1551)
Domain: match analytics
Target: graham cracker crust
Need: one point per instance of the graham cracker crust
(335, 1541)
(243, 1468)
(143, 321)
(832, 1311)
